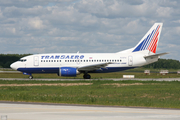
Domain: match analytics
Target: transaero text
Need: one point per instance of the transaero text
(63, 57)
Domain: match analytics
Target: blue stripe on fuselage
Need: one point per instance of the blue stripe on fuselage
(39, 70)
(56, 70)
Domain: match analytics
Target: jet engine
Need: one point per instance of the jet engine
(68, 72)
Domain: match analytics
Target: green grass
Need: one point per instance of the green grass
(138, 93)
(141, 69)
(138, 72)
(6, 69)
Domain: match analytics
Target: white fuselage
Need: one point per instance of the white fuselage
(50, 63)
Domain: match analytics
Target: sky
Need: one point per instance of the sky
(87, 26)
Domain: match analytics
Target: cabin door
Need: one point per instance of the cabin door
(130, 60)
(36, 60)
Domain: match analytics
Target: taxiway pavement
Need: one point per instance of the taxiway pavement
(31, 111)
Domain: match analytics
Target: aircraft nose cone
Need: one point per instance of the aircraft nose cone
(13, 66)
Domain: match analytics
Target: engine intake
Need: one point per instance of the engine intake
(68, 72)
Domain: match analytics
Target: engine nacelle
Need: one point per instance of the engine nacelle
(68, 72)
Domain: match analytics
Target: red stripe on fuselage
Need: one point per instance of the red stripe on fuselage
(154, 41)
(153, 44)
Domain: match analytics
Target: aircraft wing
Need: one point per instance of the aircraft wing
(94, 67)
(155, 55)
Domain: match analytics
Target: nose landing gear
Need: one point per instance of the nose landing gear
(30, 75)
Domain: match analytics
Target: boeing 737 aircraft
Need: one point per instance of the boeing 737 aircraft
(72, 64)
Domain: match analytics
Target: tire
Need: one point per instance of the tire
(30, 77)
(87, 76)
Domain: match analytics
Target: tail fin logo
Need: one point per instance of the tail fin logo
(150, 42)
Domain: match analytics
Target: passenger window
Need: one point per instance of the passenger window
(86, 60)
(46, 60)
(51, 60)
(94, 60)
(89, 60)
(117, 60)
(112, 60)
(54, 60)
(59, 60)
(99, 60)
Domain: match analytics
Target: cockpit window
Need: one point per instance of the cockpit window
(22, 60)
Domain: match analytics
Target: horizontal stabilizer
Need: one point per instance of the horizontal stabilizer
(155, 55)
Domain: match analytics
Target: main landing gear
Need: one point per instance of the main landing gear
(86, 76)
(30, 77)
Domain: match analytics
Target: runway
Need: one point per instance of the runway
(115, 79)
(19, 111)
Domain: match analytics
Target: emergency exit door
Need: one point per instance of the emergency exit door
(36, 61)
(130, 60)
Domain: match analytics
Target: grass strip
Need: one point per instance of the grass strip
(117, 93)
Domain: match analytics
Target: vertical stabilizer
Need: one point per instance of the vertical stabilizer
(150, 40)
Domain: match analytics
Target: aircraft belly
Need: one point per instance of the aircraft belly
(56, 70)
(111, 69)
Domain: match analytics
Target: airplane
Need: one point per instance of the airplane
(73, 64)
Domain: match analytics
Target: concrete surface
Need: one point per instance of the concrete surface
(18, 111)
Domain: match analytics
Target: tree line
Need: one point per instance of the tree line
(164, 63)
(7, 59)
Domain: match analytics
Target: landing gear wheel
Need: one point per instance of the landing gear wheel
(30, 77)
(87, 76)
